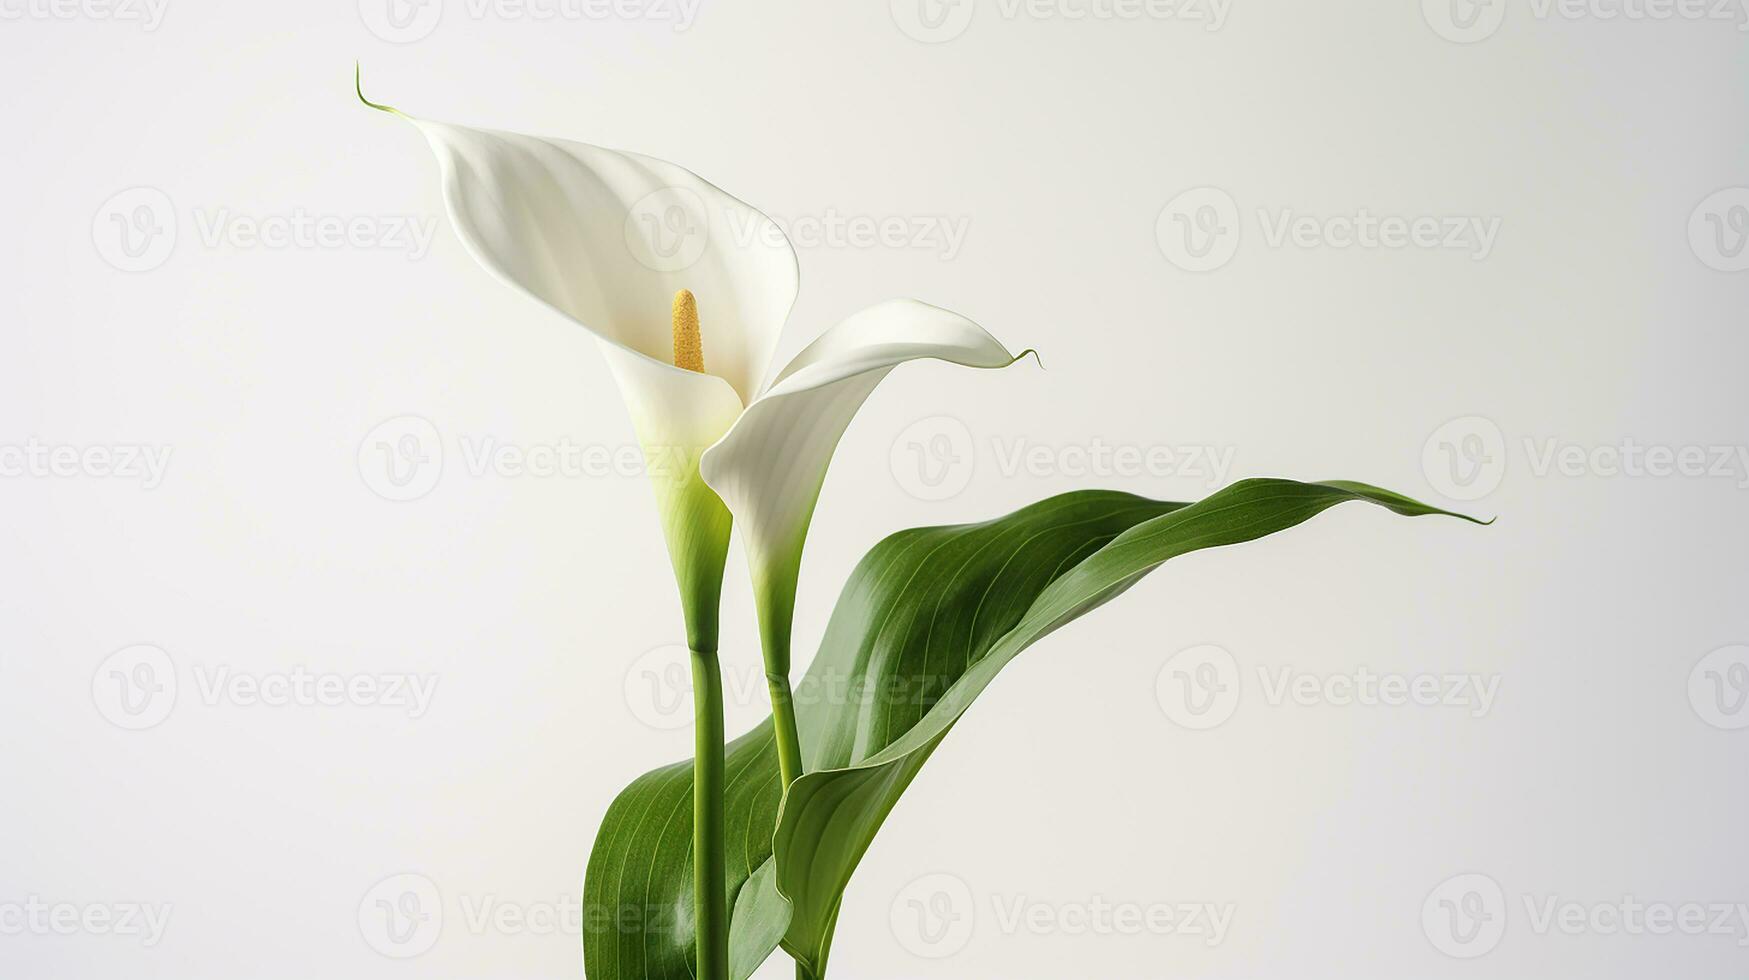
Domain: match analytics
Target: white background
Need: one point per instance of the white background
(1055, 142)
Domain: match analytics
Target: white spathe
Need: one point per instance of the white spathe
(606, 238)
(770, 465)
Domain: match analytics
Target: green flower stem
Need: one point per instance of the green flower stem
(774, 600)
(709, 868)
(696, 525)
(776, 609)
(783, 719)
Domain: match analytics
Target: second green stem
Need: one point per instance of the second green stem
(776, 607)
(783, 722)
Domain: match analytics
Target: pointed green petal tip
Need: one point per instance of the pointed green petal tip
(1035, 358)
(358, 86)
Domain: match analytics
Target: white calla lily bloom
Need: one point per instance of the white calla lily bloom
(608, 239)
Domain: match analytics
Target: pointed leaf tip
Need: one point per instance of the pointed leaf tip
(358, 86)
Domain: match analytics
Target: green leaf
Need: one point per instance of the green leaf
(637, 891)
(927, 619)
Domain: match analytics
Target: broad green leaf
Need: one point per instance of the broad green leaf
(927, 619)
(637, 891)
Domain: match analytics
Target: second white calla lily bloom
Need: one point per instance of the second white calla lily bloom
(608, 239)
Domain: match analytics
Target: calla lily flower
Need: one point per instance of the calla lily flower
(609, 240)
(687, 291)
